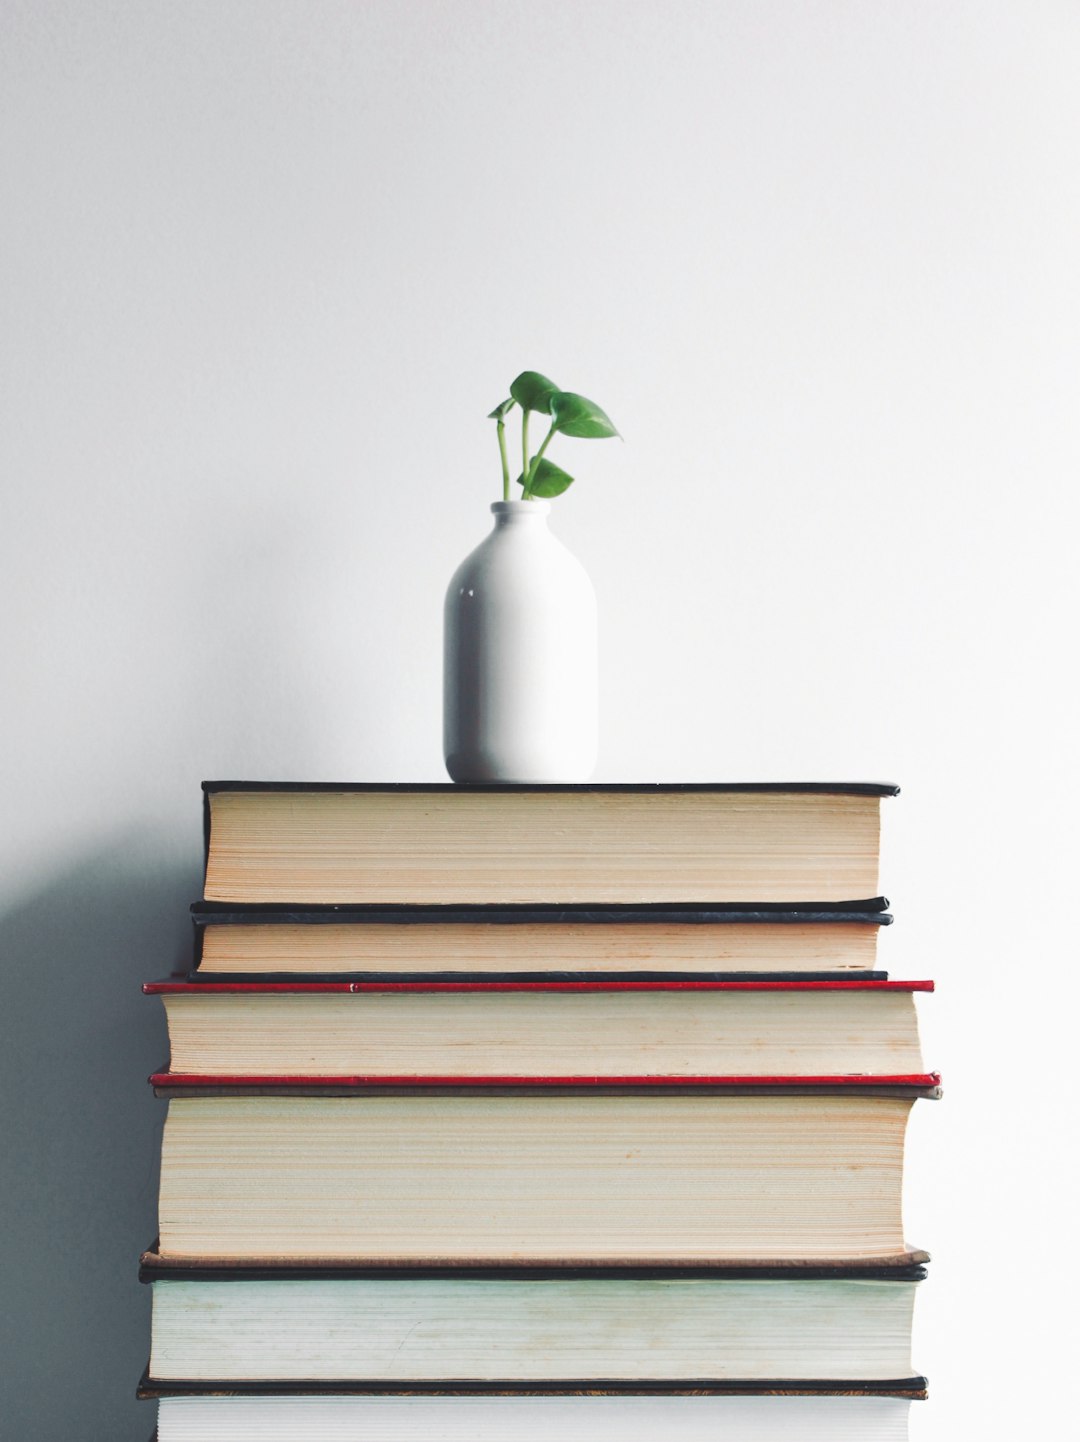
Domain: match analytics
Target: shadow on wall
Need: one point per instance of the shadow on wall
(239, 676)
(80, 1136)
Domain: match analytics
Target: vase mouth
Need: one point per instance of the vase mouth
(520, 508)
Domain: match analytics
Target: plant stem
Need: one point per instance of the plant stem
(501, 430)
(530, 471)
(524, 452)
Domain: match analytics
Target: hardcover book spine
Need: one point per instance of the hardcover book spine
(911, 1387)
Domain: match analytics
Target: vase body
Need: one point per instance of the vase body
(520, 656)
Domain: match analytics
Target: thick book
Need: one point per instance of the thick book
(310, 843)
(509, 1028)
(648, 942)
(660, 1175)
(550, 1329)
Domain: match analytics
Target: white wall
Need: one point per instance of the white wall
(265, 268)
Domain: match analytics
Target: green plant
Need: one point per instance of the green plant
(571, 415)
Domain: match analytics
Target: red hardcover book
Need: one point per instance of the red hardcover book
(531, 1171)
(350, 1035)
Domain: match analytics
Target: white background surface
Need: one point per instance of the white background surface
(265, 268)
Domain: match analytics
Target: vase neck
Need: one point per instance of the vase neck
(520, 513)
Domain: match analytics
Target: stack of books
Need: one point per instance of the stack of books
(501, 1110)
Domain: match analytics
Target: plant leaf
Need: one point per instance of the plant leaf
(574, 415)
(501, 410)
(550, 480)
(533, 392)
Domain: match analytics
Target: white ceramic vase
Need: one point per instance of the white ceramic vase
(520, 656)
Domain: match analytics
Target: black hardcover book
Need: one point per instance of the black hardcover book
(410, 843)
(914, 1388)
(907, 1267)
(693, 941)
(366, 1330)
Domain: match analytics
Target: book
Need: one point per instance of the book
(596, 1418)
(510, 1028)
(536, 942)
(548, 1329)
(558, 1174)
(452, 844)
